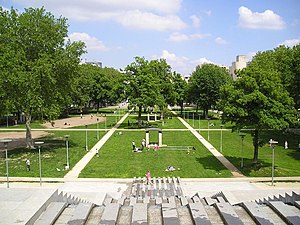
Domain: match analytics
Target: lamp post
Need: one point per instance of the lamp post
(39, 143)
(199, 122)
(86, 138)
(105, 122)
(67, 150)
(242, 135)
(272, 144)
(221, 141)
(193, 120)
(208, 128)
(97, 128)
(5, 142)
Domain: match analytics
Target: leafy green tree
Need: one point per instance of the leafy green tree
(141, 87)
(257, 100)
(38, 65)
(180, 89)
(204, 85)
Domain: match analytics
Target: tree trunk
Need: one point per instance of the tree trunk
(140, 116)
(181, 108)
(29, 141)
(255, 144)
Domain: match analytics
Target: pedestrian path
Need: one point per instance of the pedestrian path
(74, 173)
(234, 171)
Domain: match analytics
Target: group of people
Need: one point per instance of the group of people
(136, 149)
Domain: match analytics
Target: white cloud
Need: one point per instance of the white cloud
(92, 43)
(220, 41)
(291, 42)
(182, 64)
(195, 20)
(265, 20)
(138, 14)
(178, 37)
(146, 20)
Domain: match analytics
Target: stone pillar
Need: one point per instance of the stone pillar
(155, 117)
(148, 117)
(147, 138)
(160, 138)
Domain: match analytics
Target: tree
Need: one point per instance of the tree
(257, 100)
(180, 87)
(204, 85)
(141, 85)
(38, 65)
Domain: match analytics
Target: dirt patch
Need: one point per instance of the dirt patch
(18, 138)
(74, 122)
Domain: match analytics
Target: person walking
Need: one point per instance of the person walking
(143, 144)
(28, 164)
(148, 177)
(133, 145)
(97, 152)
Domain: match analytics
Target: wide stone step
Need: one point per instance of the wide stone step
(289, 213)
(155, 215)
(66, 215)
(170, 215)
(51, 213)
(199, 214)
(243, 215)
(228, 214)
(258, 213)
(124, 216)
(139, 214)
(81, 214)
(110, 214)
(95, 216)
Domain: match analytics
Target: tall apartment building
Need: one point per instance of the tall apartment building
(239, 64)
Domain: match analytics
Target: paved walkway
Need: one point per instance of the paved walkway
(74, 173)
(234, 171)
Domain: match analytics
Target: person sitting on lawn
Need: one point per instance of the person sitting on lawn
(170, 168)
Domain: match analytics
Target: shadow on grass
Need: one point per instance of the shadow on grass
(261, 168)
(210, 163)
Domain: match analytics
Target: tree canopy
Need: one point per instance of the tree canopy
(258, 99)
(38, 65)
(204, 85)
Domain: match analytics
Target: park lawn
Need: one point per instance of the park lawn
(169, 122)
(117, 159)
(287, 162)
(53, 154)
(34, 125)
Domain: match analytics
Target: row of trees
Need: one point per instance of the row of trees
(40, 73)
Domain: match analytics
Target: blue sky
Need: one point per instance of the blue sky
(184, 32)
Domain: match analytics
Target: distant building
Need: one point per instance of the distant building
(239, 64)
(95, 63)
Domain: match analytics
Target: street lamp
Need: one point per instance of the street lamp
(208, 128)
(105, 122)
(97, 128)
(193, 120)
(39, 143)
(272, 144)
(242, 135)
(199, 122)
(221, 141)
(67, 150)
(5, 142)
(86, 138)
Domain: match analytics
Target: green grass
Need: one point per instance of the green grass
(53, 154)
(287, 162)
(169, 122)
(117, 159)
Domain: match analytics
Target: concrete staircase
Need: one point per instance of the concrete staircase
(163, 202)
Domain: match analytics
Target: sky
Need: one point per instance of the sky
(184, 32)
